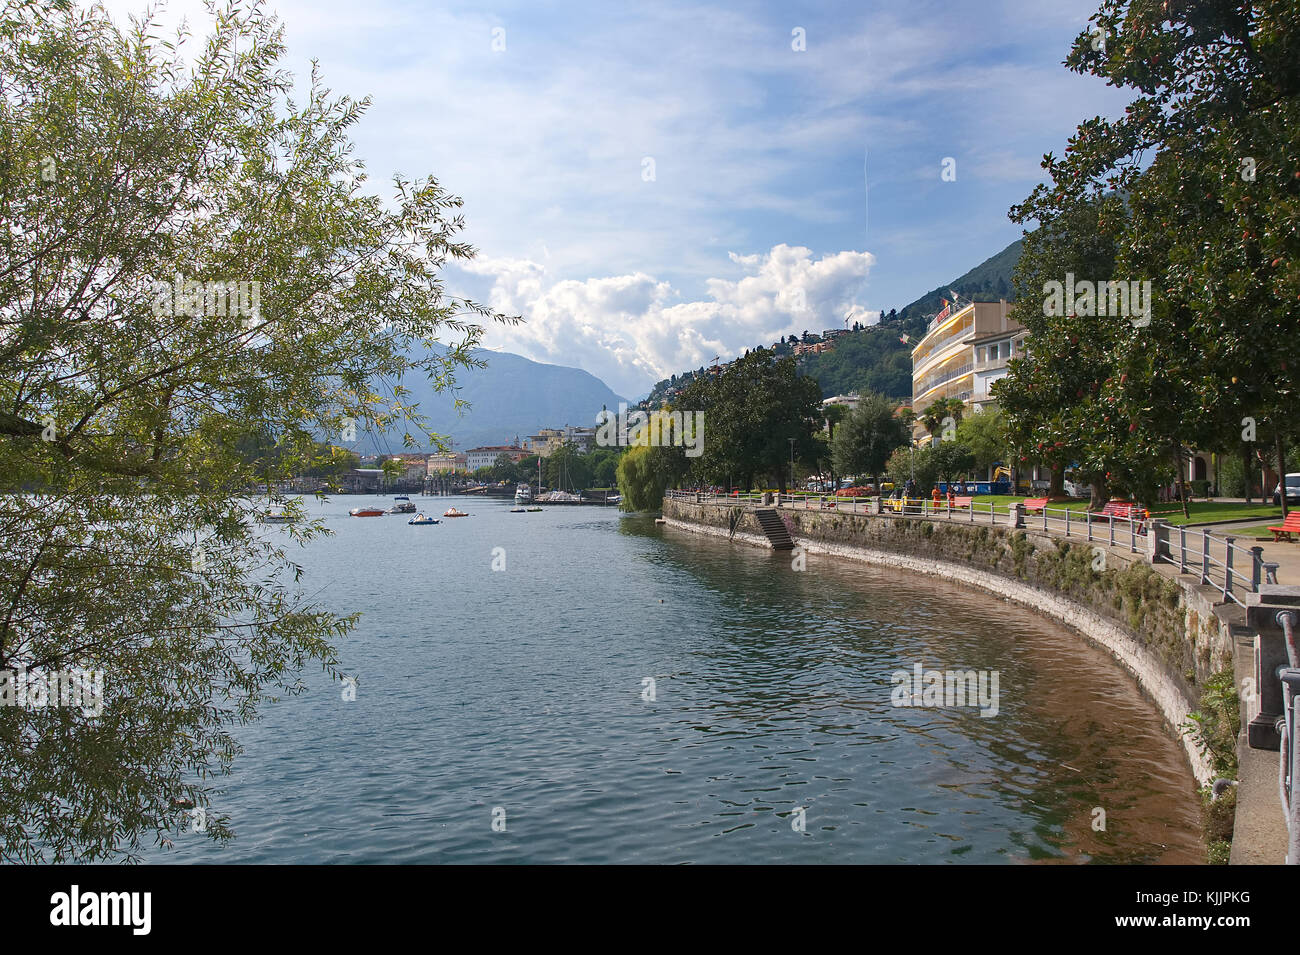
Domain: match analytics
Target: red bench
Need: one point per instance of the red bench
(1289, 526)
(961, 501)
(1127, 510)
(1034, 503)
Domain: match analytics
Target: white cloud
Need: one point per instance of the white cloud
(756, 146)
(634, 329)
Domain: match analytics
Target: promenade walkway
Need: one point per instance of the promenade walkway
(1210, 555)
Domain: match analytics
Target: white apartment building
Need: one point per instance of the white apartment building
(964, 351)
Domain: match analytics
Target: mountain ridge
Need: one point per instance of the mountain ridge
(510, 396)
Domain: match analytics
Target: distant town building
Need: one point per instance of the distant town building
(544, 441)
(549, 440)
(816, 347)
(486, 456)
(415, 467)
(361, 480)
(584, 439)
(447, 462)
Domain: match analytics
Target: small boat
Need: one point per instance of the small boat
(402, 505)
(531, 509)
(452, 512)
(367, 511)
(516, 510)
(275, 517)
(419, 520)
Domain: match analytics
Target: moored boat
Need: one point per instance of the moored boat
(369, 511)
(402, 505)
(516, 510)
(419, 520)
(452, 512)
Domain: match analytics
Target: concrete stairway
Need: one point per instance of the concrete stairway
(774, 528)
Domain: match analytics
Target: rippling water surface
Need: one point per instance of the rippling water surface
(523, 689)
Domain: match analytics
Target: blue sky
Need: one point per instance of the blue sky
(758, 220)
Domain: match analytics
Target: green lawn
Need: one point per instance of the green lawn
(1204, 511)
(1004, 499)
(1201, 511)
(1259, 530)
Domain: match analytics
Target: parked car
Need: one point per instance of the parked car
(1292, 490)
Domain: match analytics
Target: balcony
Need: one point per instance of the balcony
(930, 382)
(960, 329)
(992, 364)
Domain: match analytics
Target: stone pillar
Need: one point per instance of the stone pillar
(1266, 707)
(1018, 514)
(876, 505)
(1157, 540)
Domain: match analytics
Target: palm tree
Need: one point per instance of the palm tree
(933, 416)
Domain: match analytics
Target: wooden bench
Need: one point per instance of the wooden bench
(961, 501)
(1126, 510)
(1032, 504)
(1289, 526)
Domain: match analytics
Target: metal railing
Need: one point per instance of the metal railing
(961, 328)
(1289, 752)
(943, 376)
(1216, 561)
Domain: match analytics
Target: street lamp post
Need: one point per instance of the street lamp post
(791, 440)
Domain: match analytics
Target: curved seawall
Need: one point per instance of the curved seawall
(1162, 630)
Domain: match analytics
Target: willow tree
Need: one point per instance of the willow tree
(190, 261)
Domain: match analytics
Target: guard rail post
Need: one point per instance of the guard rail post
(1263, 616)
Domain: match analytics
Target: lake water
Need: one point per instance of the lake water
(521, 692)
